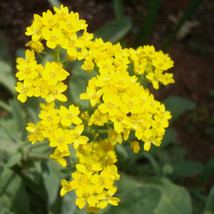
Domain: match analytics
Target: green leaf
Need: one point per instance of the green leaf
(118, 9)
(157, 197)
(51, 178)
(33, 179)
(10, 159)
(7, 78)
(39, 149)
(13, 196)
(169, 137)
(207, 172)
(33, 108)
(115, 30)
(174, 199)
(209, 207)
(147, 25)
(69, 206)
(55, 3)
(178, 105)
(135, 197)
(9, 138)
(19, 117)
(187, 168)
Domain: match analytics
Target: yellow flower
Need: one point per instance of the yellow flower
(85, 195)
(76, 138)
(55, 93)
(135, 146)
(69, 116)
(66, 187)
(27, 67)
(106, 198)
(35, 132)
(58, 156)
(102, 181)
(36, 46)
(24, 91)
(35, 29)
(60, 139)
(54, 73)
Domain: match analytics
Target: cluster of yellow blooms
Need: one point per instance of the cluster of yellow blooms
(119, 102)
(95, 175)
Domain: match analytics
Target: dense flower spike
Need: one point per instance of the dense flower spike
(119, 104)
(93, 181)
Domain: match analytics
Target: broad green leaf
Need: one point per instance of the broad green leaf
(156, 197)
(143, 199)
(187, 168)
(9, 143)
(12, 188)
(169, 137)
(69, 206)
(33, 108)
(51, 178)
(135, 197)
(8, 159)
(174, 199)
(178, 105)
(7, 77)
(33, 179)
(207, 172)
(209, 207)
(19, 117)
(115, 30)
(40, 149)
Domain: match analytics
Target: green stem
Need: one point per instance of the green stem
(33, 156)
(41, 57)
(56, 54)
(153, 162)
(102, 130)
(49, 54)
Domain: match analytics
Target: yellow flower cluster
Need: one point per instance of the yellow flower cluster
(57, 125)
(60, 29)
(95, 175)
(146, 61)
(119, 102)
(37, 80)
(121, 99)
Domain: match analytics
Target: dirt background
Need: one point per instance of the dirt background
(193, 55)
